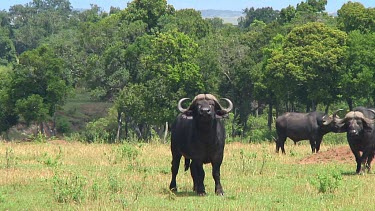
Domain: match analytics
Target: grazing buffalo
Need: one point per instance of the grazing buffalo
(359, 127)
(198, 134)
(304, 126)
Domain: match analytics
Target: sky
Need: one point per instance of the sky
(235, 5)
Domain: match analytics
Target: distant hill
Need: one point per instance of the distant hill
(228, 16)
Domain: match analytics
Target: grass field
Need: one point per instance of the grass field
(61, 175)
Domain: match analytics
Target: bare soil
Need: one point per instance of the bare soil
(341, 154)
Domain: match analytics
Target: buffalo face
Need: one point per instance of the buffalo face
(355, 123)
(205, 107)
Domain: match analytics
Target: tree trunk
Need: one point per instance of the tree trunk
(40, 128)
(119, 126)
(165, 133)
(350, 103)
(270, 116)
(126, 127)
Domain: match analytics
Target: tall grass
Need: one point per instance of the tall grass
(59, 175)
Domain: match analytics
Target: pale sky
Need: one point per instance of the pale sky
(235, 5)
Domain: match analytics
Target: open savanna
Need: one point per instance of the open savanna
(62, 175)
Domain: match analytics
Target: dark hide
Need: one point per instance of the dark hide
(359, 127)
(304, 126)
(198, 134)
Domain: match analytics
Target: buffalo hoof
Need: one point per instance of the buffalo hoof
(201, 194)
(174, 190)
(219, 193)
(360, 173)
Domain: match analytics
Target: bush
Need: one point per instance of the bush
(259, 130)
(99, 131)
(327, 182)
(69, 188)
(63, 126)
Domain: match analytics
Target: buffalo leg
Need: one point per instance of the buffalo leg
(366, 159)
(197, 173)
(280, 144)
(357, 159)
(313, 146)
(318, 142)
(369, 160)
(216, 176)
(175, 165)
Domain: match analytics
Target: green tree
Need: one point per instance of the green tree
(308, 67)
(39, 82)
(33, 22)
(172, 72)
(7, 49)
(112, 58)
(188, 21)
(265, 14)
(8, 116)
(354, 16)
(147, 11)
(287, 14)
(32, 109)
(313, 6)
(130, 102)
(357, 79)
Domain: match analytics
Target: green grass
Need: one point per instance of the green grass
(60, 175)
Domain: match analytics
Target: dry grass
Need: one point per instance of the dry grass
(137, 176)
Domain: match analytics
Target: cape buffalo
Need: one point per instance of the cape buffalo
(359, 127)
(198, 134)
(304, 126)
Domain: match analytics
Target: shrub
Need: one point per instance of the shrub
(69, 188)
(327, 182)
(63, 125)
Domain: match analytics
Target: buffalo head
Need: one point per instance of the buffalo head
(331, 122)
(356, 123)
(205, 106)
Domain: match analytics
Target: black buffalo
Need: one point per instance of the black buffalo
(359, 127)
(304, 126)
(198, 134)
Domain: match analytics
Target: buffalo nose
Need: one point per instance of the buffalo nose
(353, 132)
(205, 111)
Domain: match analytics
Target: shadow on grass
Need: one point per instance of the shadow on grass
(353, 173)
(349, 173)
(185, 194)
(179, 193)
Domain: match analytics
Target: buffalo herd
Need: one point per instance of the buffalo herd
(198, 135)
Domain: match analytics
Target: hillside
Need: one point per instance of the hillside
(228, 16)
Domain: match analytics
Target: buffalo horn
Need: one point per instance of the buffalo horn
(182, 110)
(230, 105)
(372, 111)
(334, 113)
(333, 117)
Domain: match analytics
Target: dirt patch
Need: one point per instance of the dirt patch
(333, 155)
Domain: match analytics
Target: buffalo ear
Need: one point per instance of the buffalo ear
(187, 114)
(367, 127)
(221, 114)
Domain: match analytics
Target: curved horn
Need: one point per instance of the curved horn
(182, 110)
(334, 113)
(230, 105)
(372, 111)
(333, 119)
